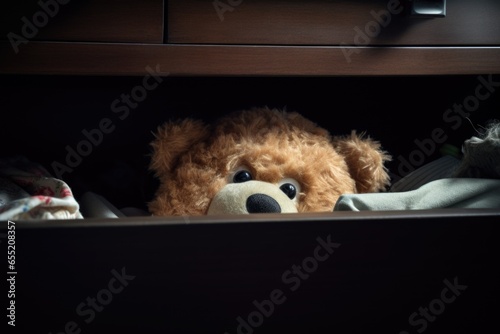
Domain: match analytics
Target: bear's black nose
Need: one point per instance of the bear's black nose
(260, 203)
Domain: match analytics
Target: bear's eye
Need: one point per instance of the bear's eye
(289, 190)
(242, 176)
(290, 187)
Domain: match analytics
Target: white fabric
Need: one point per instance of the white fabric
(29, 192)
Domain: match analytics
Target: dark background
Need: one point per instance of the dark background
(41, 115)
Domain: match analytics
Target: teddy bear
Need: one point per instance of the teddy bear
(260, 160)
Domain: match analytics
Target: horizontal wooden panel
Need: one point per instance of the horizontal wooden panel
(331, 22)
(92, 20)
(203, 278)
(132, 59)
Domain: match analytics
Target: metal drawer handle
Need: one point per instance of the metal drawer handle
(428, 8)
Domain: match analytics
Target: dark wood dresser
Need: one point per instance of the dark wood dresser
(395, 69)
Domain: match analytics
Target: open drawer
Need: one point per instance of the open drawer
(390, 272)
(50, 118)
(83, 130)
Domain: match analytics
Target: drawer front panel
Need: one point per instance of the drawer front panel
(93, 20)
(330, 22)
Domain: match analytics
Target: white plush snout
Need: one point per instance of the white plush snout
(251, 197)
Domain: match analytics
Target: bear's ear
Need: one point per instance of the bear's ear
(172, 139)
(365, 160)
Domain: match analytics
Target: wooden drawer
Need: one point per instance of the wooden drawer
(330, 22)
(190, 275)
(91, 21)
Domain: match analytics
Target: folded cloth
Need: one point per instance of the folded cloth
(28, 191)
(435, 170)
(469, 193)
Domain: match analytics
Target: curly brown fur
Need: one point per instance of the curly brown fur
(193, 161)
(365, 159)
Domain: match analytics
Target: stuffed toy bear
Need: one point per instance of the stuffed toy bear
(260, 161)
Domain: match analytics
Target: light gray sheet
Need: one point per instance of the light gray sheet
(444, 193)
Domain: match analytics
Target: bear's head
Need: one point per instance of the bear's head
(260, 160)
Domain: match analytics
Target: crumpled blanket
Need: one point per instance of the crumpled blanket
(470, 193)
(28, 191)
